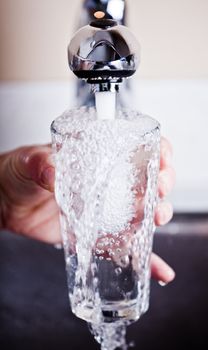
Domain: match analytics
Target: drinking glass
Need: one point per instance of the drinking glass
(106, 189)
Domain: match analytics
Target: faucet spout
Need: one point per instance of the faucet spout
(112, 10)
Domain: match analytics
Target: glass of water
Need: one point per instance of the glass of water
(106, 189)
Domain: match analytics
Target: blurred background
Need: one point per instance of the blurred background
(171, 84)
(35, 35)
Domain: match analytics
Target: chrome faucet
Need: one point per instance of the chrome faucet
(104, 52)
(113, 9)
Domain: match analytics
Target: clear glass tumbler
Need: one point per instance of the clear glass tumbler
(106, 189)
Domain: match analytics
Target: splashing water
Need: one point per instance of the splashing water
(106, 179)
(110, 335)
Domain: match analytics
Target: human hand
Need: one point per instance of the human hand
(27, 203)
(164, 211)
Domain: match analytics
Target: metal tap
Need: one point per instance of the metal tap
(113, 9)
(104, 52)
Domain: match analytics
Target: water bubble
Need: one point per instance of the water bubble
(132, 344)
(76, 185)
(93, 268)
(73, 158)
(124, 260)
(111, 253)
(95, 282)
(123, 238)
(118, 271)
(111, 241)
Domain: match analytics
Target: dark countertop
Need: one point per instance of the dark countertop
(35, 313)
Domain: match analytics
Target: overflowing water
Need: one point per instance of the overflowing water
(110, 335)
(106, 179)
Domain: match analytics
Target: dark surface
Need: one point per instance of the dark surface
(34, 308)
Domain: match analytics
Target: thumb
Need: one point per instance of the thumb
(27, 167)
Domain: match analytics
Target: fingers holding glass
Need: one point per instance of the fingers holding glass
(161, 271)
(166, 153)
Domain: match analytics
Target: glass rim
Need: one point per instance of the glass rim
(55, 127)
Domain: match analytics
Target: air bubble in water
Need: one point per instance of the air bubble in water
(124, 260)
(118, 271)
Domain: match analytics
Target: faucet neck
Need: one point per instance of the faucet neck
(114, 9)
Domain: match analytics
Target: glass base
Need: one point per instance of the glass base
(128, 312)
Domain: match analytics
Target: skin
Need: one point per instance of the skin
(27, 203)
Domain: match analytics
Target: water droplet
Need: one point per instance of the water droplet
(132, 344)
(93, 268)
(95, 282)
(111, 241)
(76, 185)
(125, 260)
(112, 253)
(73, 158)
(118, 271)
(75, 166)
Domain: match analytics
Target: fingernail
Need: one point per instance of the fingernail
(47, 177)
(162, 283)
(170, 275)
(58, 246)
